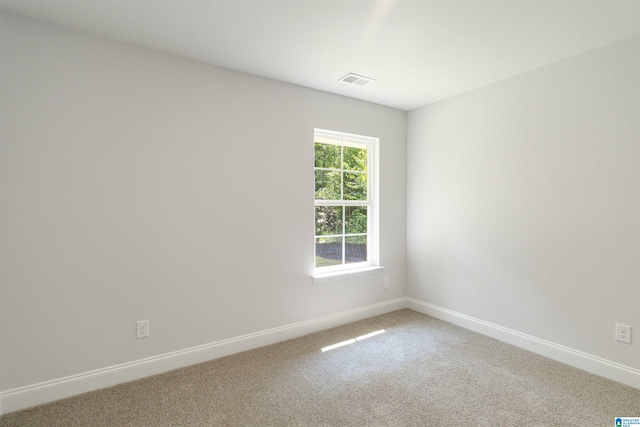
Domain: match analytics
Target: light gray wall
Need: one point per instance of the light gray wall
(523, 202)
(137, 185)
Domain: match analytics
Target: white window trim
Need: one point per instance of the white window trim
(346, 274)
(372, 266)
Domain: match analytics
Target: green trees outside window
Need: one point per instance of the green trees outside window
(342, 202)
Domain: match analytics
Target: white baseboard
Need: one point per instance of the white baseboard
(36, 394)
(587, 362)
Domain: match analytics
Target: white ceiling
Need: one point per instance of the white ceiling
(418, 52)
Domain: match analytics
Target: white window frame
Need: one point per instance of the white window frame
(372, 264)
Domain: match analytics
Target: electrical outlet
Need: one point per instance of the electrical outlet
(142, 329)
(623, 333)
(387, 282)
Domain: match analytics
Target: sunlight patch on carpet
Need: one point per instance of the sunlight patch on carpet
(352, 340)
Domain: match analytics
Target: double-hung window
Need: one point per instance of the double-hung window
(346, 227)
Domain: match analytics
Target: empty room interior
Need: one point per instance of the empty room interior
(433, 185)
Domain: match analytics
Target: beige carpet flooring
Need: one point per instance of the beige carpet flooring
(420, 372)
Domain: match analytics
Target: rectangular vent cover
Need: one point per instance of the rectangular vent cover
(357, 80)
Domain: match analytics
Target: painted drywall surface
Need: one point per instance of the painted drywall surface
(136, 185)
(524, 202)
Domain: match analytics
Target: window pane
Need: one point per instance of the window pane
(355, 219)
(328, 251)
(355, 158)
(327, 185)
(356, 249)
(328, 220)
(327, 156)
(355, 186)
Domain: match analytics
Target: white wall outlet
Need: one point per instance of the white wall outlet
(387, 282)
(142, 329)
(623, 333)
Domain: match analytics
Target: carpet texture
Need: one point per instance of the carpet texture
(420, 372)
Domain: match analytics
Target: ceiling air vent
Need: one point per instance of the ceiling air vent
(357, 80)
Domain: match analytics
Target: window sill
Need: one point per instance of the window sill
(346, 274)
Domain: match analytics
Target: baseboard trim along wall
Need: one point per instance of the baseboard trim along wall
(25, 397)
(587, 362)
